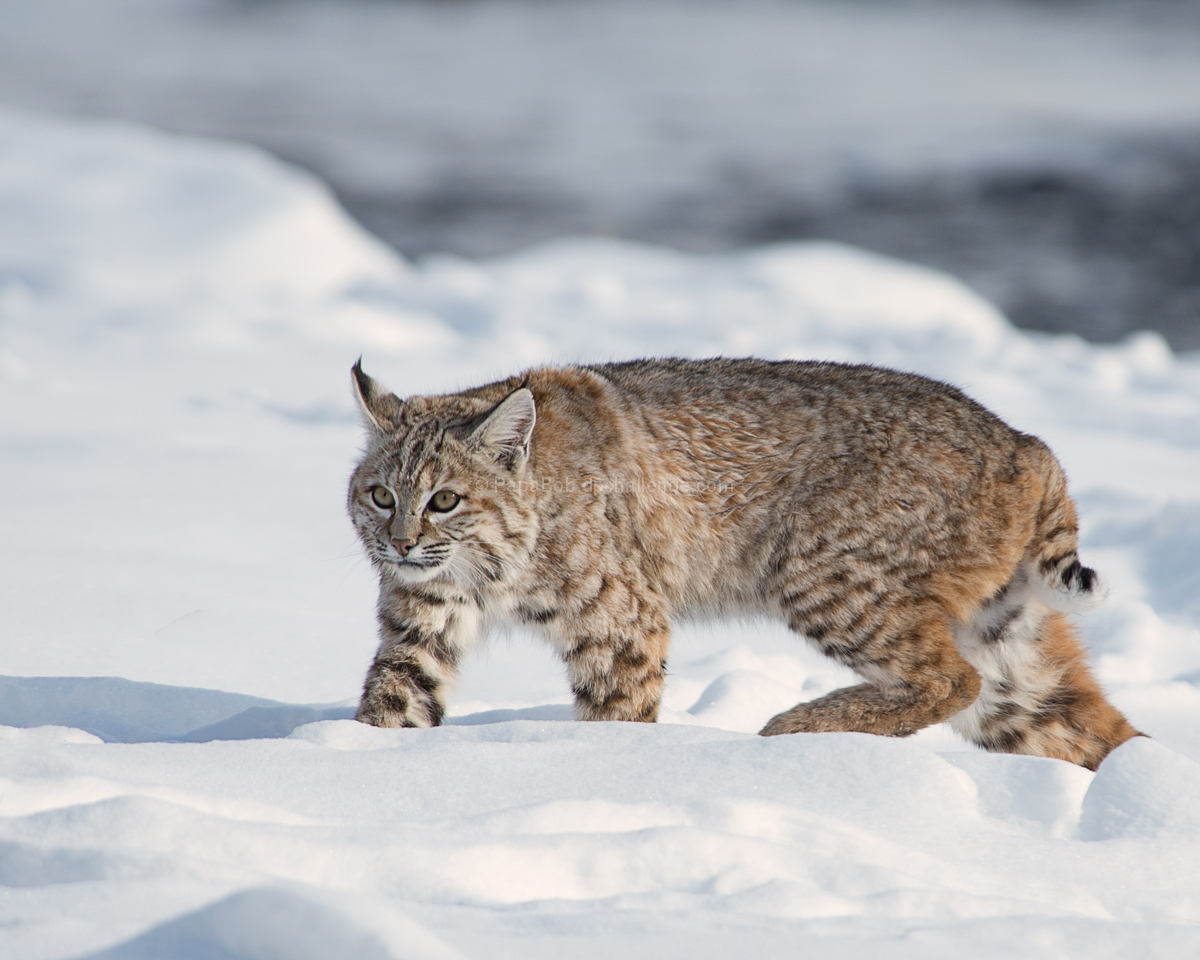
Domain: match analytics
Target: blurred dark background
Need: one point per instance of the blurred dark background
(1047, 153)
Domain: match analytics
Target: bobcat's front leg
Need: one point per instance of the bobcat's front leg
(423, 632)
(617, 664)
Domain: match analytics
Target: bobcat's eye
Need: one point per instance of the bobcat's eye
(382, 497)
(444, 501)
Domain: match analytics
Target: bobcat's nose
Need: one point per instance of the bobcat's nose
(403, 546)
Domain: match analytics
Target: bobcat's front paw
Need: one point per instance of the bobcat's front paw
(379, 715)
(393, 699)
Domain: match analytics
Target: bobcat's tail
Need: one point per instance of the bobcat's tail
(1058, 578)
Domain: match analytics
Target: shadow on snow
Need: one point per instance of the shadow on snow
(127, 711)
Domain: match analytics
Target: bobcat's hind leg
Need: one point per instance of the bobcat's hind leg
(917, 677)
(1038, 695)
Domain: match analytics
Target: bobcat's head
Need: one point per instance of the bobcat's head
(438, 493)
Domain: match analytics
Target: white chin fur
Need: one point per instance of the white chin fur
(407, 573)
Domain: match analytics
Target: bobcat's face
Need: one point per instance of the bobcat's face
(435, 501)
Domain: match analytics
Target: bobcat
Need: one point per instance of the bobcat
(893, 522)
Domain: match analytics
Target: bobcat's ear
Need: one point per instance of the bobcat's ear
(380, 409)
(506, 432)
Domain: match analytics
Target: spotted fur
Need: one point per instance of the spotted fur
(897, 525)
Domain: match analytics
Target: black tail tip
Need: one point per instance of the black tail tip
(1080, 578)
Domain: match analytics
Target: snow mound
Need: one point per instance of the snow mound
(286, 923)
(143, 231)
(122, 711)
(1142, 790)
(1027, 790)
(724, 702)
(627, 299)
(194, 217)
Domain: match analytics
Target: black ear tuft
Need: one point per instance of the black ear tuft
(380, 409)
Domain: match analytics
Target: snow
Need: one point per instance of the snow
(188, 617)
(288, 923)
(1146, 791)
